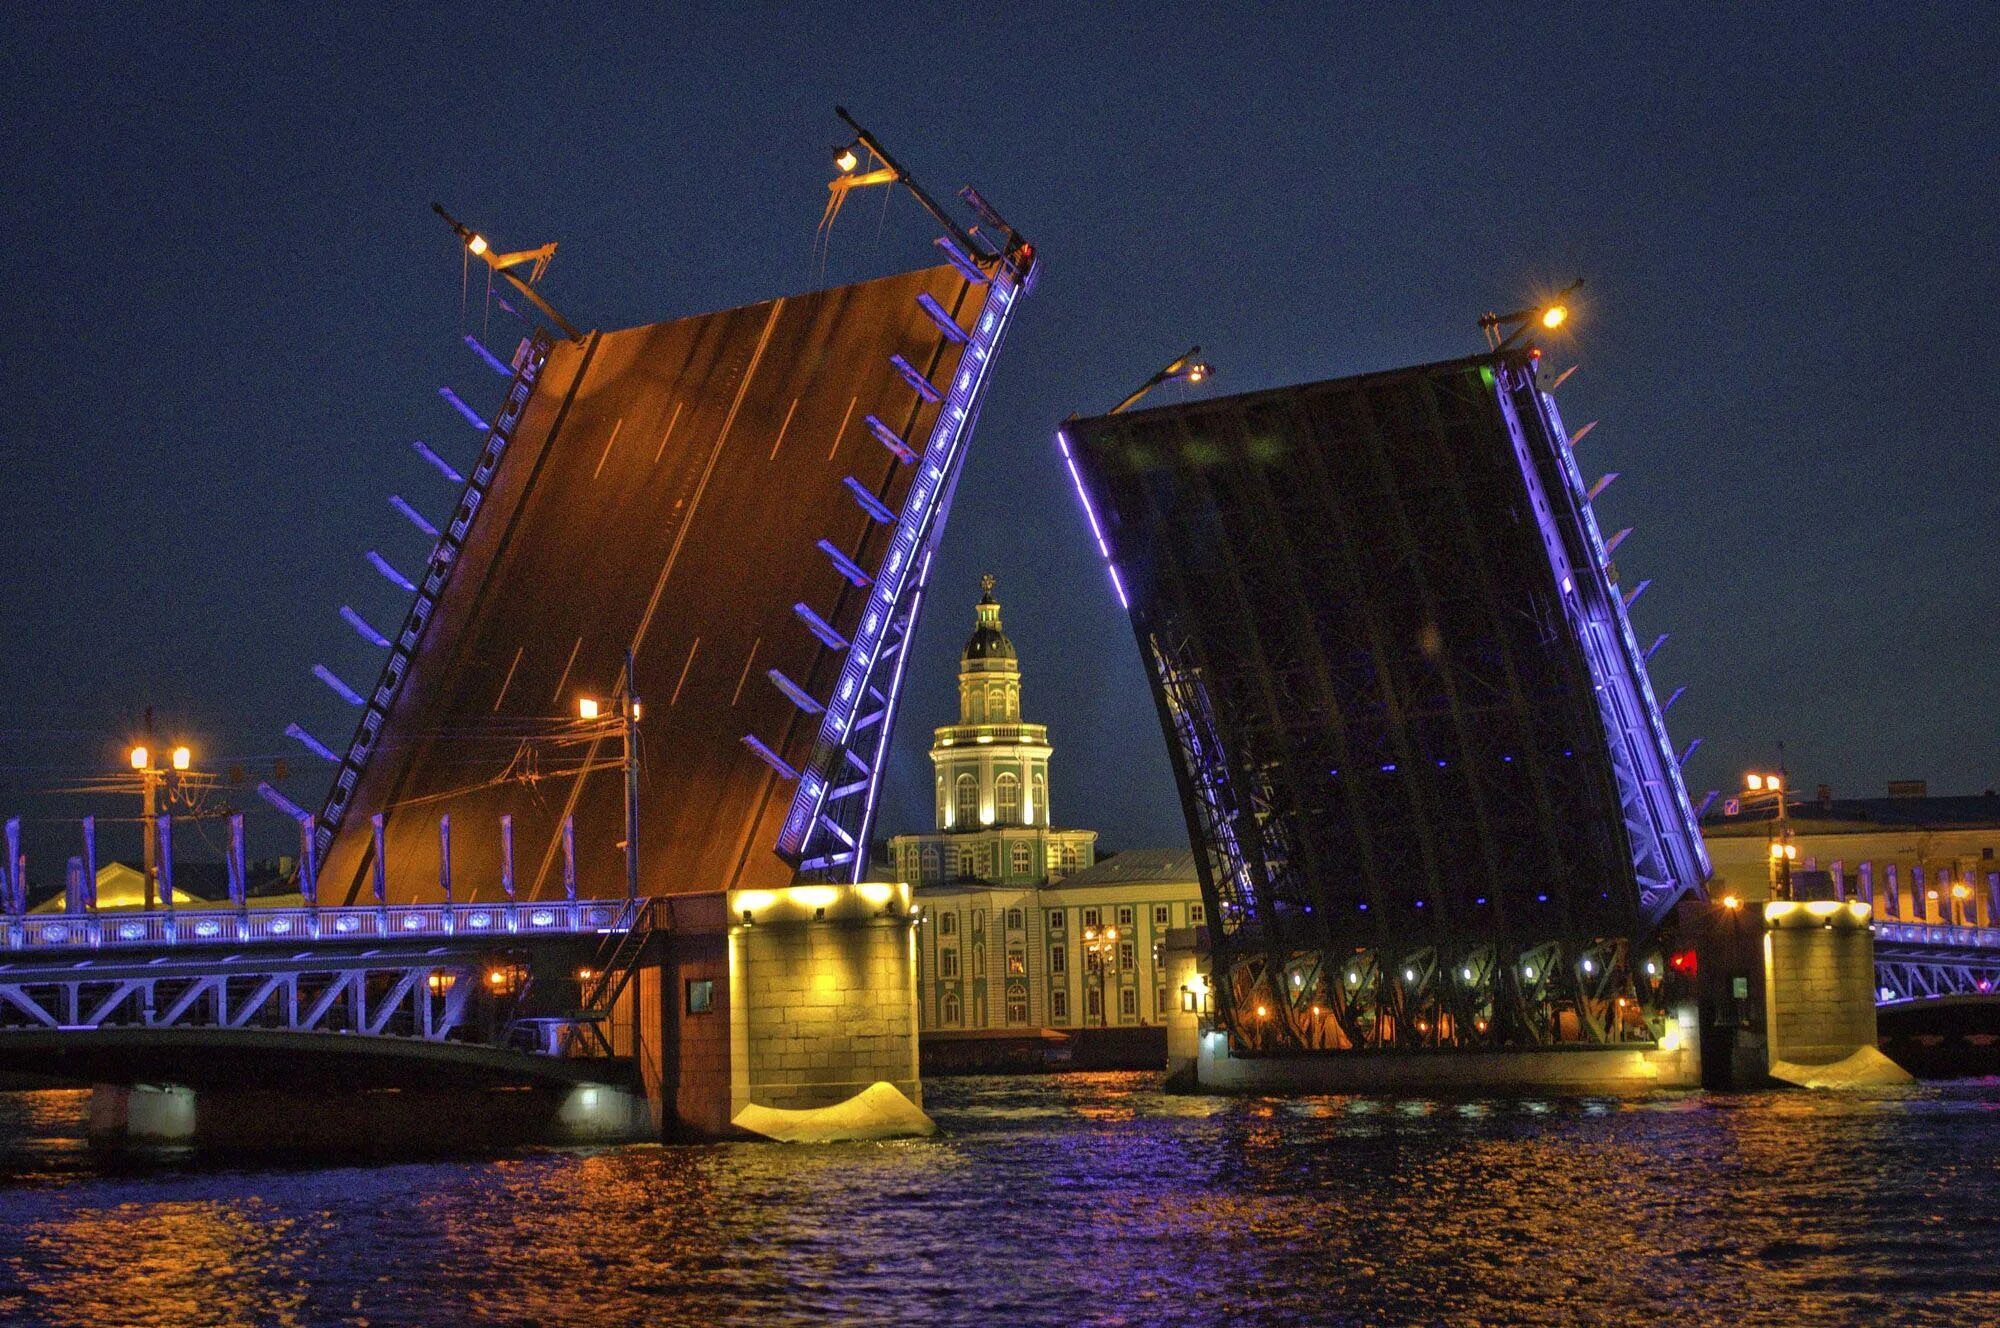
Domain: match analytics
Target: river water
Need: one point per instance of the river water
(1090, 1199)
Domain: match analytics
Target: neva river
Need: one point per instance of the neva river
(1080, 1199)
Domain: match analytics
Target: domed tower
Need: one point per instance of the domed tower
(992, 769)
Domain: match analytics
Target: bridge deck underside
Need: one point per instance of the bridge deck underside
(666, 491)
(1388, 736)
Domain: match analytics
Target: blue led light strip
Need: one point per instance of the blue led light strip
(443, 559)
(825, 823)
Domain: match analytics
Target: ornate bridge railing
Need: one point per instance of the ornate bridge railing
(110, 929)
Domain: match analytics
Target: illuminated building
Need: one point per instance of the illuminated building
(1012, 904)
(1910, 856)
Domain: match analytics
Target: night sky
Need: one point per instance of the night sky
(231, 308)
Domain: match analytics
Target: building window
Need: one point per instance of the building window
(1069, 860)
(948, 963)
(1161, 915)
(700, 995)
(1160, 1002)
(1017, 964)
(1014, 920)
(943, 808)
(978, 960)
(1022, 860)
(931, 863)
(1090, 917)
(1093, 1003)
(1059, 959)
(1126, 954)
(968, 801)
(1059, 1006)
(1007, 799)
(1125, 916)
(1055, 919)
(947, 924)
(951, 1007)
(1196, 915)
(984, 859)
(1017, 1007)
(1041, 806)
(1128, 1002)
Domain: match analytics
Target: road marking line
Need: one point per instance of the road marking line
(662, 450)
(843, 427)
(781, 430)
(508, 681)
(557, 699)
(692, 645)
(607, 447)
(746, 671)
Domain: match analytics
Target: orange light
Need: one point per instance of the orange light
(140, 757)
(1731, 902)
(585, 974)
(1263, 1011)
(1773, 783)
(477, 244)
(1961, 891)
(183, 758)
(845, 160)
(1479, 1024)
(586, 707)
(1753, 782)
(1555, 316)
(495, 978)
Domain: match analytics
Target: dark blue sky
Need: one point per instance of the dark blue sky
(231, 308)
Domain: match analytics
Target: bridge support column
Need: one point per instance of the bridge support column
(140, 1113)
(1819, 996)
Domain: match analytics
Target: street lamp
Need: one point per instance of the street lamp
(1761, 789)
(589, 709)
(152, 777)
(1189, 368)
(1503, 330)
(1100, 950)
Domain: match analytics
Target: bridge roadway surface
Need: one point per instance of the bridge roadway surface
(666, 490)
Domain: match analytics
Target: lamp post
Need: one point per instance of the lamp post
(153, 776)
(589, 710)
(1189, 367)
(1503, 330)
(1759, 789)
(1100, 949)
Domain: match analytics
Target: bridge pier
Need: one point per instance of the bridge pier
(787, 1013)
(1788, 994)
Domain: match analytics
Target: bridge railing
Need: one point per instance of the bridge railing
(1927, 934)
(112, 929)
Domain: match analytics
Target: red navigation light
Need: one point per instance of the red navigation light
(1684, 962)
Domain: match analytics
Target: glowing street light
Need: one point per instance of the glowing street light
(182, 758)
(1762, 787)
(141, 758)
(588, 710)
(1503, 330)
(586, 707)
(1189, 367)
(846, 160)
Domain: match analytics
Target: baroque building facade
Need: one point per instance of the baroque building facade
(1021, 927)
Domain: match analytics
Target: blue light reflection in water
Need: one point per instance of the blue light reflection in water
(1074, 1199)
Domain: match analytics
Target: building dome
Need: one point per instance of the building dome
(988, 641)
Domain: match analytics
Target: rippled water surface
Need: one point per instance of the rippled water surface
(1079, 1199)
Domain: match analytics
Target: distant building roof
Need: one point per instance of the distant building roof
(1137, 866)
(1976, 811)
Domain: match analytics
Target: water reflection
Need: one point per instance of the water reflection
(1074, 1199)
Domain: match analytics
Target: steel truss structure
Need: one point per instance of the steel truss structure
(506, 978)
(1412, 730)
(1918, 962)
(827, 827)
